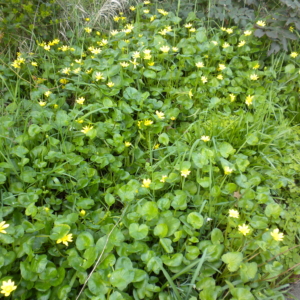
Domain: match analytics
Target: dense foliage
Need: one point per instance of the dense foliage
(159, 161)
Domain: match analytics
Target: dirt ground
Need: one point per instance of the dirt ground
(295, 291)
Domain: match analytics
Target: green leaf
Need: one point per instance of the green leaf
(226, 149)
(121, 278)
(138, 232)
(84, 241)
(109, 199)
(290, 69)
(149, 210)
(242, 294)
(172, 261)
(149, 74)
(273, 210)
(166, 244)
(201, 35)
(248, 271)
(19, 151)
(195, 219)
(161, 230)
(59, 231)
(34, 130)
(164, 139)
(97, 285)
(252, 139)
(180, 200)
(217, 236)
(233, 260)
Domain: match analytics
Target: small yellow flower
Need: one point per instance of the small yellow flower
(215, 43)
(116, 18)
(152, 18)
(165, 49)
(80, 100)
(160, 115)
(151, 63)
(82, 213)
(294, 54)
(146, 11)
(232, 97)
(47, 47)
(261, 23)
(174, 49)
(8, 287)
(156, 146)
(204, 79)
(291, 29)
(110, 84)
(146, 183)
(185, 173)
(67, 238)
(87, 29)
(192, 29)
(249, 100)
(86, 129)
(277, 236)
(136, 54)
(220, 77)
(89, 71)
(87, 19)
(55, 106)
(190, 94)
(46, 209)
(247, 32)
(234, 213)
(33, 63)
(124, 64)
(42, 103)
(173, 118)
(96, 51)
(66, 71)
(63, 81)
(99, 76)
(147, 2)
(16, 65)
(163, 12)
(188, 25)
(200, 64)
(244, 229)
(127, 144)
(132, 8)
(76, 71)
(241, 43)
(253, 77)
(221, 67)
(148, 122)
(256, 66)
(225, 45)
(229, 30)
(47, 93)
(163, 178)
(227, 170)
(80, 121)
(114, 32)
(163, 32)
(135, 63)
(205, 138)
(3, 226)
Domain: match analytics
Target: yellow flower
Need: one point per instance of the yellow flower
(3, 226)
(204, 79)
(64, 48)
(55, 105)
(247, 32)
(253, 77)
(47, 47)
(165, 49)
(261, 23)
(229, 30)
(110, 84)
(294, 54)
(80, 121)
(135, 63)
(256, 66)
(42, 103)
(244, 229)
(146, 183)
(99, 76)
(8, 287)
(82, 213)
(160, 115)
(64, 81)
(146, 11)
(221, 67)
(185, 173)
(96, 51)
(291, 29)
(163, 12)
(132, 8)
(80, 100)
(174, 49)
(152, 18)
(200, 64)
(163, 178)
(124, 64)
(16, 65)
(148, 122)
(277, 236)
(225, 45)
(87, 19)
(249, 100)
(47, 93)
(241, 43)
(67, 238)
(156, 146)
(76, 71)
(192, 29)
(232, 97)
(116, 18)
(89, 71)
(188, 25)
(33, 63)
(220, 77)
(234, 213)
(87, 29)
(151, 63)
(215, 42)
(227, 170)
(173, 118)
(66, 71)
(86, 129)
(146, 2)
(127, 144)
(205, 138)
(190, 94)
(114, 32)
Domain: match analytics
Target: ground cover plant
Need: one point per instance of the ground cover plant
(157, 161)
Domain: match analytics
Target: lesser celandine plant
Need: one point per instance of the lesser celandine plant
(152, 162)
